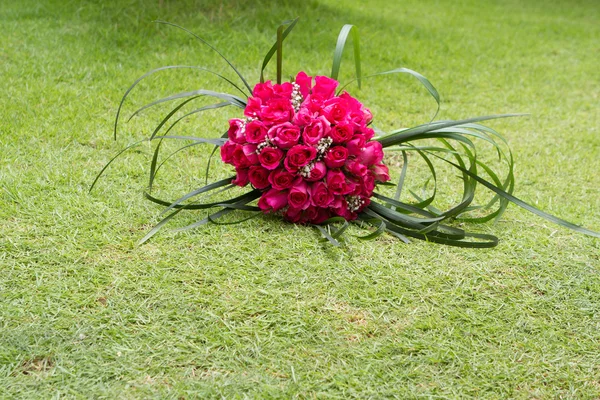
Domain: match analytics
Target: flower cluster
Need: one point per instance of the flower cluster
(307, 149)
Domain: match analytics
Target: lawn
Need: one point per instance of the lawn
(263, 309)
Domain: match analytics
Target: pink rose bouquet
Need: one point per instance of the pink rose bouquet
(306, 150)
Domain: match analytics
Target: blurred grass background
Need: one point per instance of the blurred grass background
(261, 309)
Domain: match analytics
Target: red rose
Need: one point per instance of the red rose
(293, 215)
(236, 130)
(303, 117)
(305, 82)
(270, 157)
(227, 151)
(273, 200)
(239, 159)
(322, 214)
(320, 195)
(299, 156)
(341, 133)
(256, 131)
(284, 135)
(355, 145)
(356, 168)
(380, 172)
(277, 111)
(253, 107)
(325, 86)
(299, 196)
(241, 179)
(371, 154)
(258, 177)
(250, 153)
(336, 157)
(283, 90)
(263, 91)
(317, 172)
(337, 110)
(281, 179)
(336, 182)
(316, 129)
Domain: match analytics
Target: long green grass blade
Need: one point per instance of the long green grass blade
(211, 47)
(525, 205)
(339, 50)
(147, 74)
(269, 55)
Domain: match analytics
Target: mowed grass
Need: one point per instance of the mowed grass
(262, 309)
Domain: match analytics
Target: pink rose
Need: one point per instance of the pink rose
(283, 90)
(322, 214)
(371, 154)
(380, 172)
(236, 130)
(356, 168)
(303, 117)
(284, 135)
(313, 103)
(325, 86)
(342, 210)
(341, 133)
(273, 200)
(355, 145)
(305, 83)
(250, 153)
(299, 156)
(299, 196)
(239, 159)
(317, 172)
(367, 185)
(270, 157)
(293, 215)
(277, 111)
(227, 151)
(366, 133)
(316, 129)
(320, 195)
(337, 110)
(281, 179)
(256, 131)
(336, 157)
(253, 107)
(336, 182)
(258, 177)
(241, 178)
(263, 91)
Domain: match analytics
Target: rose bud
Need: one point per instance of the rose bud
(299, 196)
(236, 131)
(317, 172)
(341, 133)
(299, 156)
(281, 179)
(256, 131)
(284, 135)
(372, 154)
(273, 200)
(336, 157)
(258, 176)
(270, 157)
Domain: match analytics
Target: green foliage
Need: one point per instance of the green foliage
(224, 311)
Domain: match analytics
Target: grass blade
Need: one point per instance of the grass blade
(269, 55)
(339, 50)
(211, 47)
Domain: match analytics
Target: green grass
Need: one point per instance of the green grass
(261, 309)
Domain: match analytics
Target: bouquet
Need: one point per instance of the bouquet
(306, 151)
